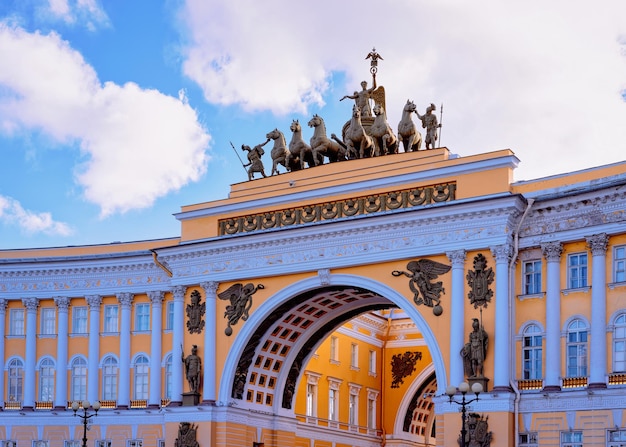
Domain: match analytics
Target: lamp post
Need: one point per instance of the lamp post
(85, 417)
(464, 387)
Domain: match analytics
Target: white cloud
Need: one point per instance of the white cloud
(542, 78)
(87, 13)
(12, 213)
(138, 144)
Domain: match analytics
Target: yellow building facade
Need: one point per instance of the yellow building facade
(330, 307)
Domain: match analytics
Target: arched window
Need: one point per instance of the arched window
(532, 352)
(46, 380)
(619, 344)
(109, 378)
(16, 377)
(168, 377)
(141, 367)
(79, 379)
(577, 349)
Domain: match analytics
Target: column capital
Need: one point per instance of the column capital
(210, 287)
(179, 293)
(125, 299)
(156, 297)
(457, 257)
(502, 253)
(598, 244)
(94, 301)
(552, 251)
(62, 302)
(30, 304)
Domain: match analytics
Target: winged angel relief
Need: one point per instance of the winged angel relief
(240, 297)
(422, 274)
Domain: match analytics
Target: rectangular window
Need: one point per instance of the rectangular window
(40, 443)
(48, 321)
(16, 322)
(311, 399)
(619, 264)
(333, 405)
(528, 439)
(532, 277)
(334, 349)
(79, 320)
(134, 443)
(169, 316)
(572, 439)
(103, 443)
(371, 413)
(372, 362)
(354, 355)
(616, 438)
(352, 410)
(577, 270)
(142, 317)
(71, 443)
(110, 318)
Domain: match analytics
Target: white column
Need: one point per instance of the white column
(156, 298)
(502, 351)
(30, 374)
(60, 395)
(208, 391)
(457, 315)
(123, 390)
(3, 314)
(177, 344)
(597, 349)
(93, 358)
(552, 252)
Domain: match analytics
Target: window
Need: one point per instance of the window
(311, 399)
(577, 270)
(619, 344)
(352, 409)
(79, 379)
(142, 317)
(619, 264)
(372, 362)
(577, 349)
(528, 439)
(531, 352)
(617, 438)
(141, 368)
(71, 443)
(371, 409)
(109, 378)
(48, 321)
(333, 405)
(532, 277)
(354, 355)
(134, 443)
(16, 322)
(79, 320)
(16, 376)
(169, 316)
(46, 380)
(110, 318)
(103, 443)
(168, 377)
(334, 349)
(572, 439)
(40, 443)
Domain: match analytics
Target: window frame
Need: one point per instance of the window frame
(619, 344)
(17, 322)
(619, 263)
(577, 349)
(15, 382)
(571, 442)
(532, 353)
(532, 278)
(141, 377)
(577, 273)
(47, 321)
(110, 373)
(80, 320)
(111, 319)
(47, 370)
(142, 317)
(78, 379)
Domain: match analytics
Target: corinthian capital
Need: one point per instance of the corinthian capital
(552, 251)
(598, 243)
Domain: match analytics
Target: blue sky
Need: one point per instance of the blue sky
(114, 114)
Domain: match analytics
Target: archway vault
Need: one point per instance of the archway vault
(266, 360)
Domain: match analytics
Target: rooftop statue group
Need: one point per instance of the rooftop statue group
(366, 134)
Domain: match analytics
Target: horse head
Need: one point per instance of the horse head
(295, 126)
(315, 121)
(409, 106)
(274, 134)
(356, 112)
(378, 110)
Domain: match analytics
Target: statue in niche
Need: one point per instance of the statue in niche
(186, 435)
(425, 291)
(475, 350)
(193, 366)
(403, 365)
(195, 312)
(240, 298)
(479, 281)
(477, 434)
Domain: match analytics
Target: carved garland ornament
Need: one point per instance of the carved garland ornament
(342, 208)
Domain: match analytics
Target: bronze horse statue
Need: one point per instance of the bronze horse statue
(322, 146)
(359, 143)
(299, 151)
(385, 140)
(407, 130)
(280, 152)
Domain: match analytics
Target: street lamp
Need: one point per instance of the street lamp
(464, 387)
(85, 417)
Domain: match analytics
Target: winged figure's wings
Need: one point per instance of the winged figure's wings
(378, 96)
(432, 269)
(233, 291)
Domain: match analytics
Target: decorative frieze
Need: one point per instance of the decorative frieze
(306, 214)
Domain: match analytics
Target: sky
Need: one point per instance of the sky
(115, 114)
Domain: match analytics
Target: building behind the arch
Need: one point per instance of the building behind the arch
(306, 335)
